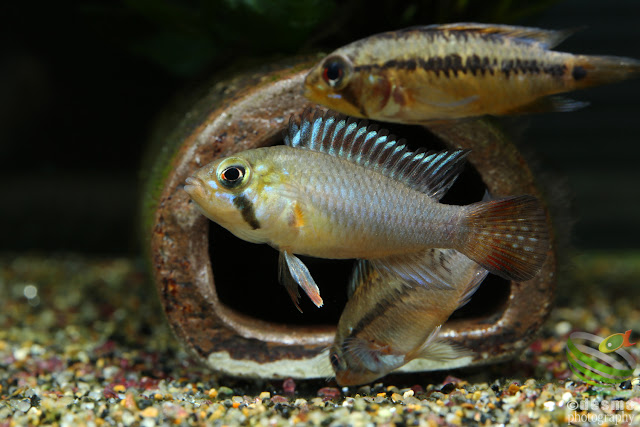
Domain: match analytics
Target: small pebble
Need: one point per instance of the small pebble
(264, 395)
(513, 388)
(279, 399)
(448, 388)
(329, 392)
(364, 390)
(225, 391)
(23, 405)
(150, 412)
(289, 386)
(563, 328)
(57, 370)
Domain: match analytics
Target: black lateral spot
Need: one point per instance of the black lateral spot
(245, 207)
(456, 64)
(448, 63)
(411, 64)
(556, 70)
(579, 73)
(507, 67)
(438, 64)
(390, 64)
(519, 66)
(486, 66)
(533, 66)
(473, 63)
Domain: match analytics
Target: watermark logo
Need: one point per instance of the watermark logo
(600, 361)
(594, 412)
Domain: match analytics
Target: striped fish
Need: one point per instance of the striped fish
(388, 321)
(453, 71)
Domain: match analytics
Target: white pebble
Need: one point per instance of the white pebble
(21, 353)
(23, 405)
(30, 291)
(563, 327)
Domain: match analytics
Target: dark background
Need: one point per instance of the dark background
(81, 84)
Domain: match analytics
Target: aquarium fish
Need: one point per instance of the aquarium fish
(388, 321)
(340, 189)
(453, 71)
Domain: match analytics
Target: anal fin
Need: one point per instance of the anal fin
(293, 272)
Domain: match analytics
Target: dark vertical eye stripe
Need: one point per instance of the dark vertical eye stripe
(245, 207)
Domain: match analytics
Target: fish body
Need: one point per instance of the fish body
(301, 206)
(339, 189)
(453, 71)
(388, 321)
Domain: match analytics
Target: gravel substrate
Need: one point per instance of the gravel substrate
(84, 342)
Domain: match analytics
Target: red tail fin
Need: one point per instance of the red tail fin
(508, 237)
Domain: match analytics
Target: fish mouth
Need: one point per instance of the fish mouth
(194, 187)
(351, 378)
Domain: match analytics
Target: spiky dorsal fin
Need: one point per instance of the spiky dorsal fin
(546, 38)
(428, 172)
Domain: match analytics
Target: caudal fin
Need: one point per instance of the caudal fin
(590, 71)
(508, 237)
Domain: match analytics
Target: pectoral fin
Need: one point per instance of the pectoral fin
(548, 104)
(447, 102)
(293, 272)
(437, 349)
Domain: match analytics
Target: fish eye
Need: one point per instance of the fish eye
(334, 71)
(232, 173)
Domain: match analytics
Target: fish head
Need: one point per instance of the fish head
(347, 375)
(334, 83)
(357, 361)
(227, 192)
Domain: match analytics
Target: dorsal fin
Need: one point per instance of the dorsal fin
(429, 172)
(361, 273)
(546, 38)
